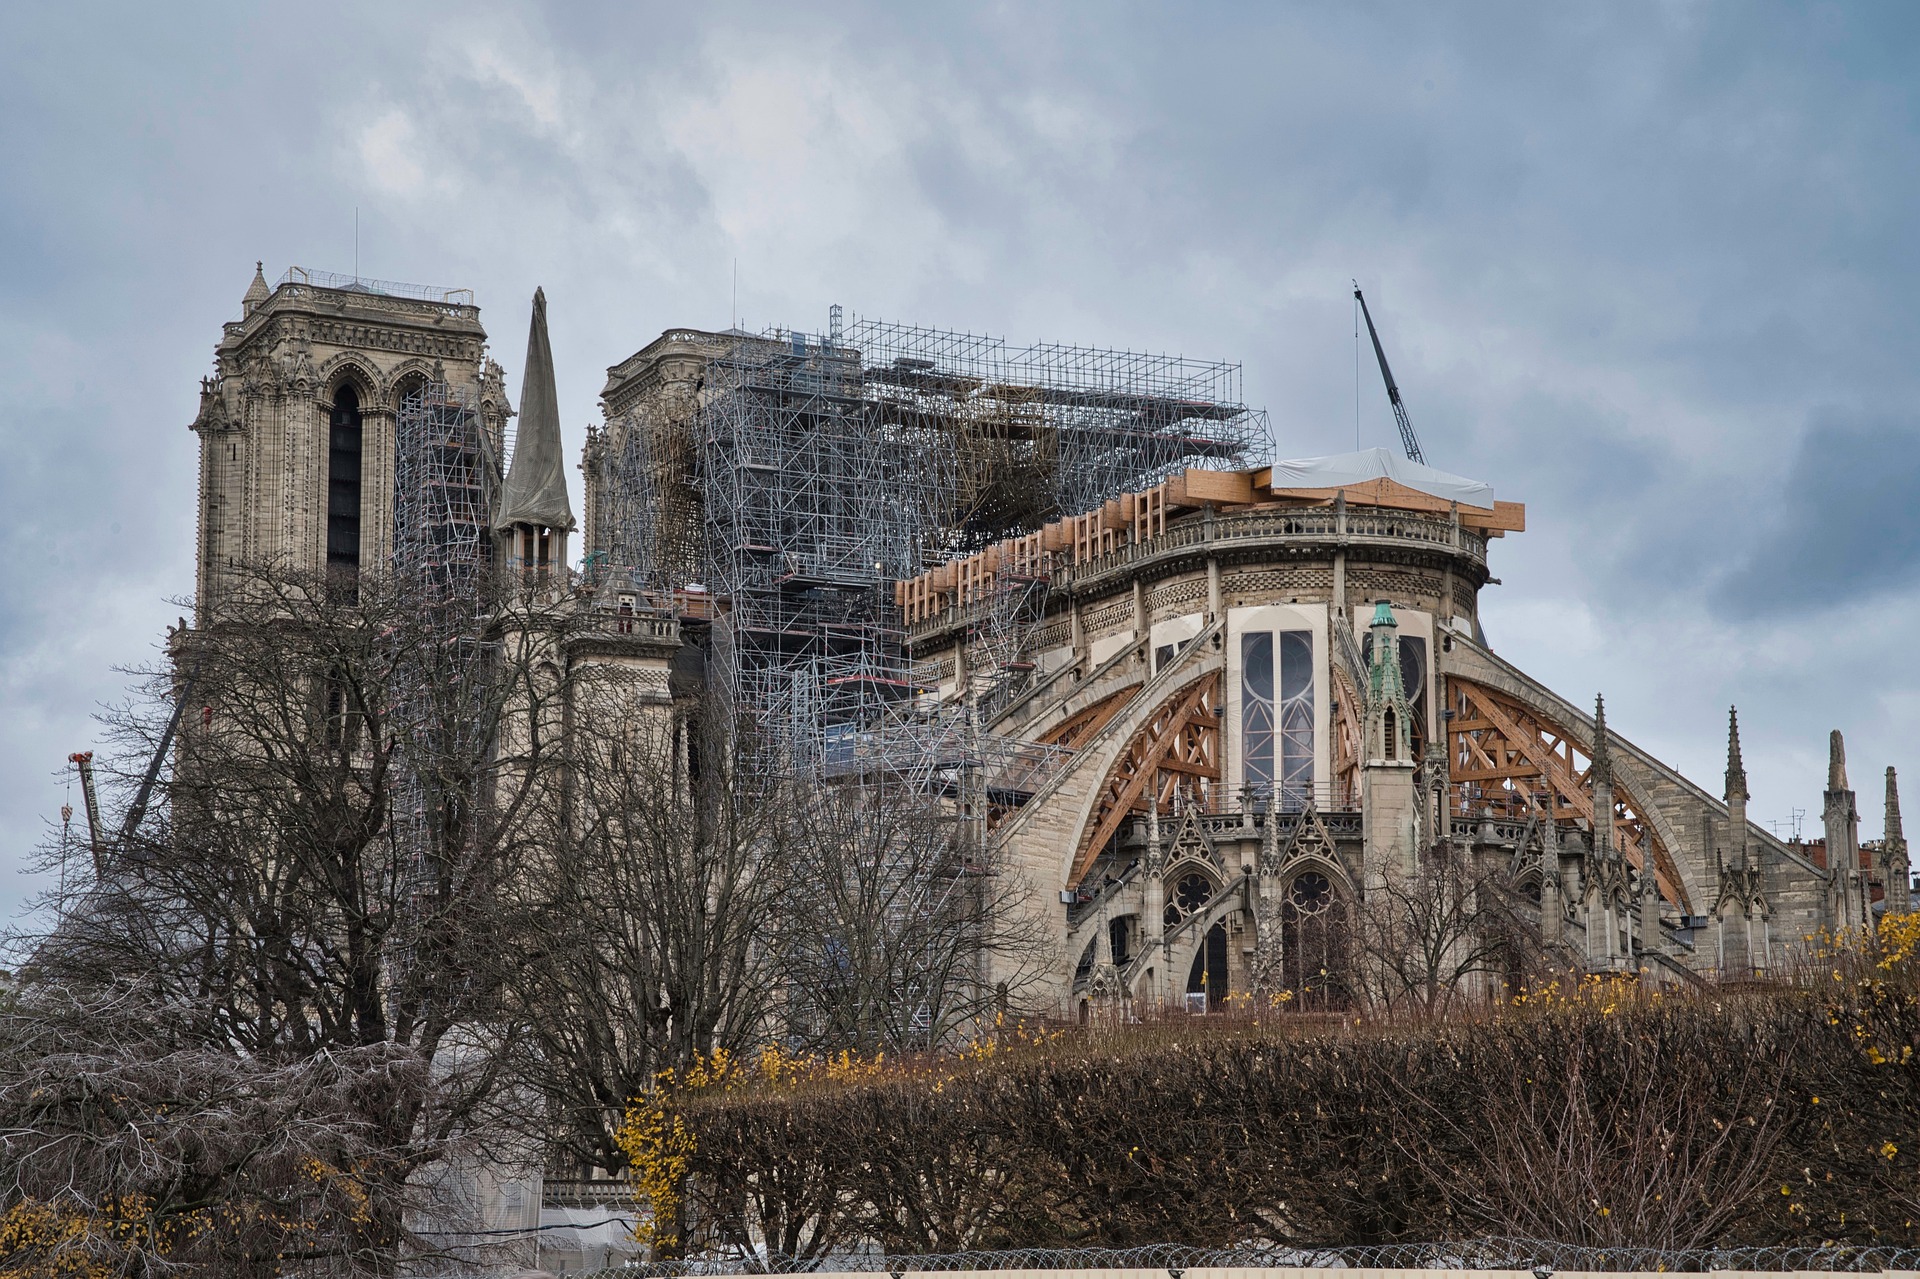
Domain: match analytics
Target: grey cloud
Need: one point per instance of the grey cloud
(1623, 252)
(1842, 527)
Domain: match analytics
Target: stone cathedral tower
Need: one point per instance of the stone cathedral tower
(296, 424)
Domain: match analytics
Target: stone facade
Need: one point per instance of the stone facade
(297, 355)
(1411, 736)
(1264, 706)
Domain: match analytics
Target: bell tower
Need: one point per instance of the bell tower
(296, 423)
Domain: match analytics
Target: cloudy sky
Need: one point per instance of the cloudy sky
(1650, 268)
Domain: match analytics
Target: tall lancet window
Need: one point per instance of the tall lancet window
(343, 481)
(1257, 739)
(1296, 717)
(1276, 714)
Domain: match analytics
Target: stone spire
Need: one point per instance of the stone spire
(1602, 754)
(1389, 714)
(1736, 794)
(1837, 762)
(1389, 805)
(1896, 869)
(536, 487)
(1736, 770)
(1600, 775)
(257, 292)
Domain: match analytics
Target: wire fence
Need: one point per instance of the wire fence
(1543, 1257)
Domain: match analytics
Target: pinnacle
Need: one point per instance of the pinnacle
(1602, 754)
(257, 292)
(1893, 830)
(1736, 769)
(1837, 762)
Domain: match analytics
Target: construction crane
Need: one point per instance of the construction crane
(83, 761)
(1408, 440)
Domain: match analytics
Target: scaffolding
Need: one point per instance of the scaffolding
(812, 472)
(446, 477)
(813, 506)
(801, 477)
(1047, 430)
(443, 485)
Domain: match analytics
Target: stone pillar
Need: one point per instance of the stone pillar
(1552, 912)
(1340, 554)
(1153, 923)
(1895, 870)
(1649, 907)
(1214, 608)
(1846, 897)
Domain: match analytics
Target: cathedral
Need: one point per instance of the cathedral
(1199, 704)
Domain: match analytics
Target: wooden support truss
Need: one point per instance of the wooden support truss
(1346, 739)
(1509, 759)
(1080, 726)
(1178, 748)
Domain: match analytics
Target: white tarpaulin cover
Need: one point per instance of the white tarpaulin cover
(1346, 470)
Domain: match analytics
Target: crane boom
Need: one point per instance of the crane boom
(1408, 440)
(83, 761)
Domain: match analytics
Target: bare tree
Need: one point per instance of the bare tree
(325, 863)
(656, 903)
(1435, 936)
(897, 924)
(129, 1146)
(1657, 1129)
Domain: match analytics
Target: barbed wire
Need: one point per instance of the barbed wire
(1543, 1257)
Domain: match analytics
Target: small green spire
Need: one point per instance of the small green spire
(1383, 615)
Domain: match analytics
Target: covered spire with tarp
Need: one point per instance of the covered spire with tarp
(536, 487)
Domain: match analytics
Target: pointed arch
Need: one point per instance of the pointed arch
(1177, 747)
(411, 376)
(354, 368)
(1503, 751)
(1316, 910)
(1179, 942)
(1311, 844)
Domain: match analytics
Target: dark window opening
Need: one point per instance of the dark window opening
(1295, 719)
(1313, 942)
(1209, 972)
(1256, 709)
(343, 482)
(342, 714)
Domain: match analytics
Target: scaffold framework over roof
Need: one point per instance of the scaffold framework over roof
(1049, 429)
(814, 471)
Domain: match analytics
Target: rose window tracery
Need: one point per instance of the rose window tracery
(1192, 892)
(1311, 893)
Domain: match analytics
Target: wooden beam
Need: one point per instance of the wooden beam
(1569, 787)
(1195, 487)
(1137, 767)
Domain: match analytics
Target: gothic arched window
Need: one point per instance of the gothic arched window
(1276, 714)
(1313, 941)
(343, 481)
